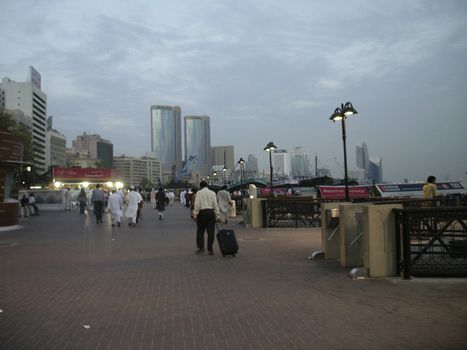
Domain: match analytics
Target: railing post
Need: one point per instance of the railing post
(265, 214)
(406, 247)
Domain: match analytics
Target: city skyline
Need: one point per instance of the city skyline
(263, 71)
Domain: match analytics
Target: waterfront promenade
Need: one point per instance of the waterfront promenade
(68, 283)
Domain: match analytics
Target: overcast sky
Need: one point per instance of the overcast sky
(262, 70)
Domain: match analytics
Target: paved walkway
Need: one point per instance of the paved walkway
(67, 283)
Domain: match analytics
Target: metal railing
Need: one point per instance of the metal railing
(306, 211)
(432, 241)
(291, 212)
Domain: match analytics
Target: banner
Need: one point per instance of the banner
(82, 174)
(338, 192)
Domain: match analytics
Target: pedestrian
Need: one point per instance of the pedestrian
(24, 206)
(97, 200)
(171, 198)
(205, 213)
(160, 202)
(139, 212)
(82, 199)
(153, 198)
(32, 203)
(430, 189)
(193, 198)
(132, 200)
(223, 199)
(182, 198)
(67, 196)
(115, 205)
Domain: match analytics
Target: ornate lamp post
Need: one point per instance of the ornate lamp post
(269, 148)
(341, 113)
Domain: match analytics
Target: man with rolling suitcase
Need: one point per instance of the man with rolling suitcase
(205, 213)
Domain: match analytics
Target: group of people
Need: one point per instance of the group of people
(116, 203)
(28, 205)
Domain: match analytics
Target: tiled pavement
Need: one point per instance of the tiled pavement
(143, 288)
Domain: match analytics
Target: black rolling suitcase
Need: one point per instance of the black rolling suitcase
(227, 242)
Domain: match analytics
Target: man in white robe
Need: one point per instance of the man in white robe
(223, 199)
(115, 205)
(132, 200)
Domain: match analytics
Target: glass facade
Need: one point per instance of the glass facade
(198, 143)
(166, 142)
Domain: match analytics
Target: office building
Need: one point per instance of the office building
(56, 146)
(300, 163)
(281, 163)
(134, 170)
(28, 98)
(223, 155)
(251, 167)
(375, 169)
(97, 147)
(362, 158)
(166, 139)
(198, 143)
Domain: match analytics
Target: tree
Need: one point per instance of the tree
(20, 130)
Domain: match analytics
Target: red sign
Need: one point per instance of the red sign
(89, 174)
(337, 192)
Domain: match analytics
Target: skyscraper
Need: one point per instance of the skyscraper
(300, 162)
(166, 140)
(251, 167)
(281, 161)
(375, 170)
(28, 98)
(363, 158)
(198, 142)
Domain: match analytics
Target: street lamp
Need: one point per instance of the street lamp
(224, 170)
(269, 148)
(341, 113)
(241, 162)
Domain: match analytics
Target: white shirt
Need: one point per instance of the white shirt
(205, 199)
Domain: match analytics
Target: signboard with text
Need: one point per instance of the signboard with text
(338, 192)
(82, 174)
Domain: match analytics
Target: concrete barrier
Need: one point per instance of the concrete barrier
(379, 242)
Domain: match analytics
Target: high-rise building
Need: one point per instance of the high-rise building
(362, 158)
(251, 167)
(281, 162)
(300, 163)
(198, 142)
(97, 147)
(133, 170)
(56, 147)
(223, 155)
(375, 170)
(166, 139)
(28, 98)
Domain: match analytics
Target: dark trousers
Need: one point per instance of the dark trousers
(98, 209)
(82, 205)
(206, 221)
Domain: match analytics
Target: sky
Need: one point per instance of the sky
(261, 70)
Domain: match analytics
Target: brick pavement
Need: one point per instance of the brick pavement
(143, 288)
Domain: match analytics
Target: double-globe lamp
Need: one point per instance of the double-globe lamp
(341, 113)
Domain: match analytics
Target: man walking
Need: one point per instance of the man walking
(205, 213)
(160, 202)
(114, 205)
(132, 200)
(97, 200)
(223, 199)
